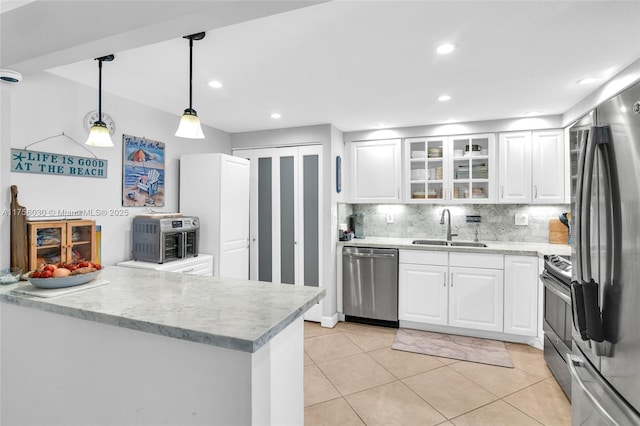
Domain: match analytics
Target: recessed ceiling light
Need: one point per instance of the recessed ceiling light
(446, 48)
(444, 98)
(275, 115)
(215, 84)
(588, 80)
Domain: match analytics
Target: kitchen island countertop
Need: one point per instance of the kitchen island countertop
(495, 247)
(230, 313)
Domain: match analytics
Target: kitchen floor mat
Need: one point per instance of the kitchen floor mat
(464, 348)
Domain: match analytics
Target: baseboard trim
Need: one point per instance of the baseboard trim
(329, 322)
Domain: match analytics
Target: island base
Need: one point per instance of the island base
(59, 370)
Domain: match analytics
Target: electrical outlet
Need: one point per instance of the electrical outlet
(473, 219)
(389, 217)
(522, 219)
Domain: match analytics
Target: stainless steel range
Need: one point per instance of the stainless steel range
(558, 321)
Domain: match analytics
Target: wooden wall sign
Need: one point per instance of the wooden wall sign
(27, 161)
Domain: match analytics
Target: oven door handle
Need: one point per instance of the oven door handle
(556, 289)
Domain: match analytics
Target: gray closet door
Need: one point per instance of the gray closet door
(286, 195)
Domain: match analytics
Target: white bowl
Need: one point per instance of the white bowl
(10, 275)
(70, 281)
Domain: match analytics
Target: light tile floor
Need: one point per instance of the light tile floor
(353, 377)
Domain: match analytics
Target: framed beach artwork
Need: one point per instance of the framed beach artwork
(142, 172)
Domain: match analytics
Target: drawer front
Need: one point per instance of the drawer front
(477, 260)
(423, 257)
(196, 269)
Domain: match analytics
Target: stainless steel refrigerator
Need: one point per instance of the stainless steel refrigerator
(605, 359)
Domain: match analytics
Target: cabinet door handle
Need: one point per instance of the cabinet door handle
(451, 280)
(398, 193)
(501, 191)
(535, 191)
(444, 281)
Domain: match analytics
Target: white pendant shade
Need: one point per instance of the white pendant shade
(189, 126)
(99, 135)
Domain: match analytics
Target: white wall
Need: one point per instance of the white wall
(6, 90)
(336, 149)
(290, 136)
(489, 126)
(44, 105)
(612, 87)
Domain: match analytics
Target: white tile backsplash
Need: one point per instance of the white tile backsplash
(423, 221)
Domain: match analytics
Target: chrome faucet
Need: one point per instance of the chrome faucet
(449, 234)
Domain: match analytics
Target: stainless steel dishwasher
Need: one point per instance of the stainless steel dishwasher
(370, 285)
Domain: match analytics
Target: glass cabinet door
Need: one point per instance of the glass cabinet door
(472, 168)
(47, 242)
(81, 241)
(425, 167)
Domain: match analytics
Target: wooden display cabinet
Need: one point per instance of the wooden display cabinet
(61, 241)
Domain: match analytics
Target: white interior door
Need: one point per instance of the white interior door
(309, 236)
(234, 218)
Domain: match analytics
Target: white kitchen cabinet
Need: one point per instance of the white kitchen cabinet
(548, 167)
(375, 171)
(515, 167)
(199, 265)
(521, 295)
(423, 293)
(476, 298)
(215, 187)
(457, 169)
(532, 167)
(432, 290)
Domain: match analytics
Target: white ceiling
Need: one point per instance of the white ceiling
(357, 64)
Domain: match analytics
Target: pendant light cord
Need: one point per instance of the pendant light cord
(107, 58)
(190, 73)
(100, 89)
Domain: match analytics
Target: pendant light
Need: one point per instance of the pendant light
(99, 133)
(190, 123)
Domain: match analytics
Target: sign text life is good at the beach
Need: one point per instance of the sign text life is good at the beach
(23, 161)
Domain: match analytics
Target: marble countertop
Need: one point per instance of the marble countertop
(496, 247)
(230, 313)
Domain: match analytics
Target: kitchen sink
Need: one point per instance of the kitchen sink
(448, 243)
(466, 244)
(430, 242)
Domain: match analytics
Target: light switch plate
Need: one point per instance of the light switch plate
(522, 219)
(389, 217)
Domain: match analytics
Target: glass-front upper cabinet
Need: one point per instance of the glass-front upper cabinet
(473, 168)
(455, 169)
(425, 166)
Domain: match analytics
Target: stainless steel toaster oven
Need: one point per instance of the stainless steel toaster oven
(165, 237)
